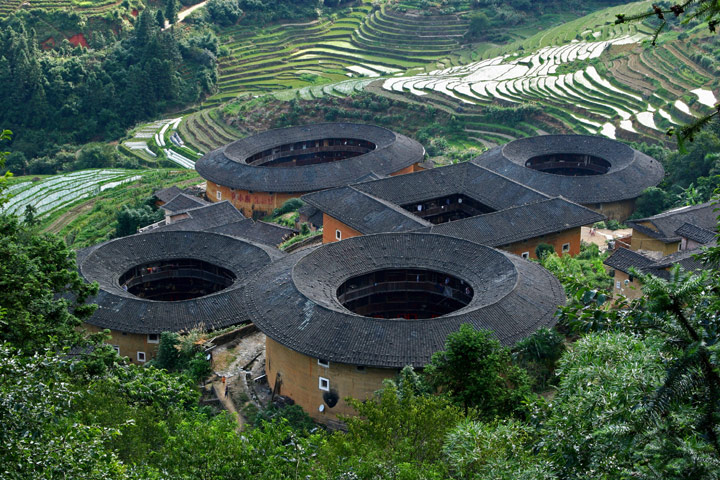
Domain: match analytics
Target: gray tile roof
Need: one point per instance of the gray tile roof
(695, 233)
(294, 301)
(517, 224)
(183, 202)
(524, 213)
(363, 212)
(256, 231)
(631, 171)
(482, 184)
(167, 194)
(227, 165)
(623, 259)
(664, 226)
(205, 218)
(120, 310)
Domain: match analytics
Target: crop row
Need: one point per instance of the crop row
(58, 191)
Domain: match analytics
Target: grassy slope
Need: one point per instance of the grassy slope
(93, 220)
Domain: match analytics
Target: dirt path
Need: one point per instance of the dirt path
(602, 235)
(185, 13)
(64, 220)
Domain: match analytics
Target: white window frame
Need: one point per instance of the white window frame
(117, 349)
(156, 340)
(218, 194)
(565, 248)
(141, 357)
(338, 235)
(324, 384)
(323, 363)
(525, 255)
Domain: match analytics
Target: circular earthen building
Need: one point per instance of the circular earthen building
(168, 282)
(341, 318)
(602, 174)
(259, 173)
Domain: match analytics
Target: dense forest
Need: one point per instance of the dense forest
(72, 95)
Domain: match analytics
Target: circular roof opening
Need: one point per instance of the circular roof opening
(175, 279)
(311, 152)
(569, 164)
(404, 293)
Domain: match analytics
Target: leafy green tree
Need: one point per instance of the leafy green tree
(497, 451)
(171, 11)
(224, 12)
(544, 249)
(592, 431)
(129, 220)
(396, 434)
(41, 293)
(160, 18)
(178, 353)
(538, 354)
(476, 372)
(39, 437)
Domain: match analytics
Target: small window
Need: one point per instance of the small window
(140, 356)
(124, 333)
(360, 368)
(631, 278)
(219, 195)
(153, 338)
(323, 363)
(611, 273)
(338, 234)
(617, 284)
(117, 349)
(525, 255)
(679, 246)
(324, 384)
(566, 247)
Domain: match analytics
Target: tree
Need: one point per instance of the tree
(129, 220)
(399, 433)
(42, 296)
(476, 372)
(544, 249)
(171, 11)
(160, 18)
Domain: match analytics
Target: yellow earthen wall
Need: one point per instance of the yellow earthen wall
(129, 343)
(262, 203)
(557, 240)
(619, 211)
(330, 225)
(632, 290)
(415, 167)
(640, 241)
(300, 377)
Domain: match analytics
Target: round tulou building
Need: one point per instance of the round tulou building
(168, 282)
(259, 173)
(341, 318)
(602, 174)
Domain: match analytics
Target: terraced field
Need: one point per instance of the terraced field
(364, 43)
(59, 191)
(149, 140)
